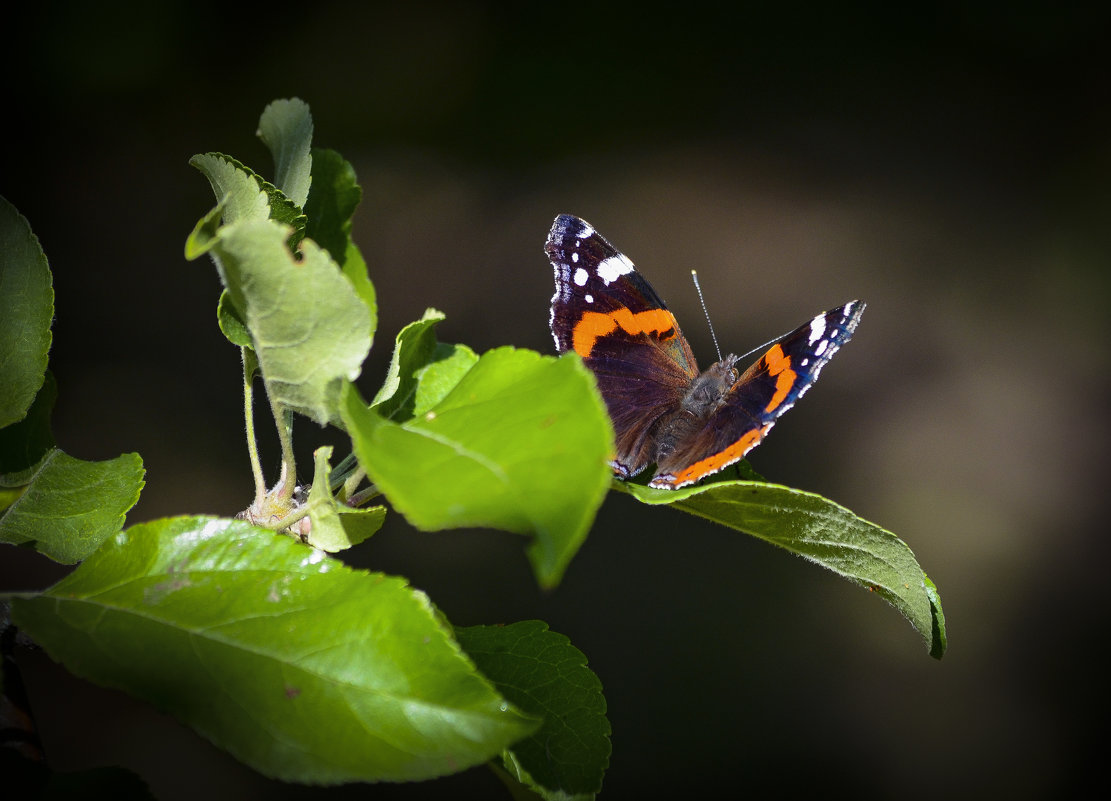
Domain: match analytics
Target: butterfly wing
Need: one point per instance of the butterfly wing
(605, 311)
(757, 398)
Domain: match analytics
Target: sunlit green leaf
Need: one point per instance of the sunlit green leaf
(303, 668)
(520, 443)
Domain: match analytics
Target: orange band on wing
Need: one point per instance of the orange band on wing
(779, 365)
(711, 464)
(593, 325)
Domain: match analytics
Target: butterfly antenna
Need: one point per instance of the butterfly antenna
(761, 347)
(702, 300)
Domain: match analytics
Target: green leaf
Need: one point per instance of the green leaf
(446, 368)
(286, 128)
(422, 370)
(236, 186)
(307, 325)
(540, 672)
(231, 324)
(334, 196)
(26, 311)
(519, 444)
(203, 236)
(26, 443)
(336, 526)
(70, 507)
(302, 668)
(332, 201)
(354, 267)
(823, 532)
(415, 347)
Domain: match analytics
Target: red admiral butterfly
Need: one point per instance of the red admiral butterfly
(690, 424)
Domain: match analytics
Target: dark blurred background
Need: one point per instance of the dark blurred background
(948, 164)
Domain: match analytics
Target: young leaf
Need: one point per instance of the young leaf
(70, 507)
(286, 128)
(303, 668)
(26, 311)
(540, 672)
(336, 526)
(415, 347)
(422, 370)
(434, 380)
(231, 324)
(519, 444)
(308, 327)
(823, 532)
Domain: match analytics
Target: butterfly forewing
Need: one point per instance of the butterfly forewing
(608, 314)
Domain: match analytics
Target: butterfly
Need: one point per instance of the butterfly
(665, 411)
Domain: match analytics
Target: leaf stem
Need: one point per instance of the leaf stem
(283, 419)
(250, 363)
(352, 481)
(362, 496)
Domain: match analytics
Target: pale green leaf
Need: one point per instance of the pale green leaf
(336, 526)
(308, 327)
(235, 187)
(286, 128)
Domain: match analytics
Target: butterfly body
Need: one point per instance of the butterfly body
(665, 411)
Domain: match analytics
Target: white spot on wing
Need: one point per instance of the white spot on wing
(589, 298)
(581, 276)
(817, 328)
(575, 257)
(609, 270)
